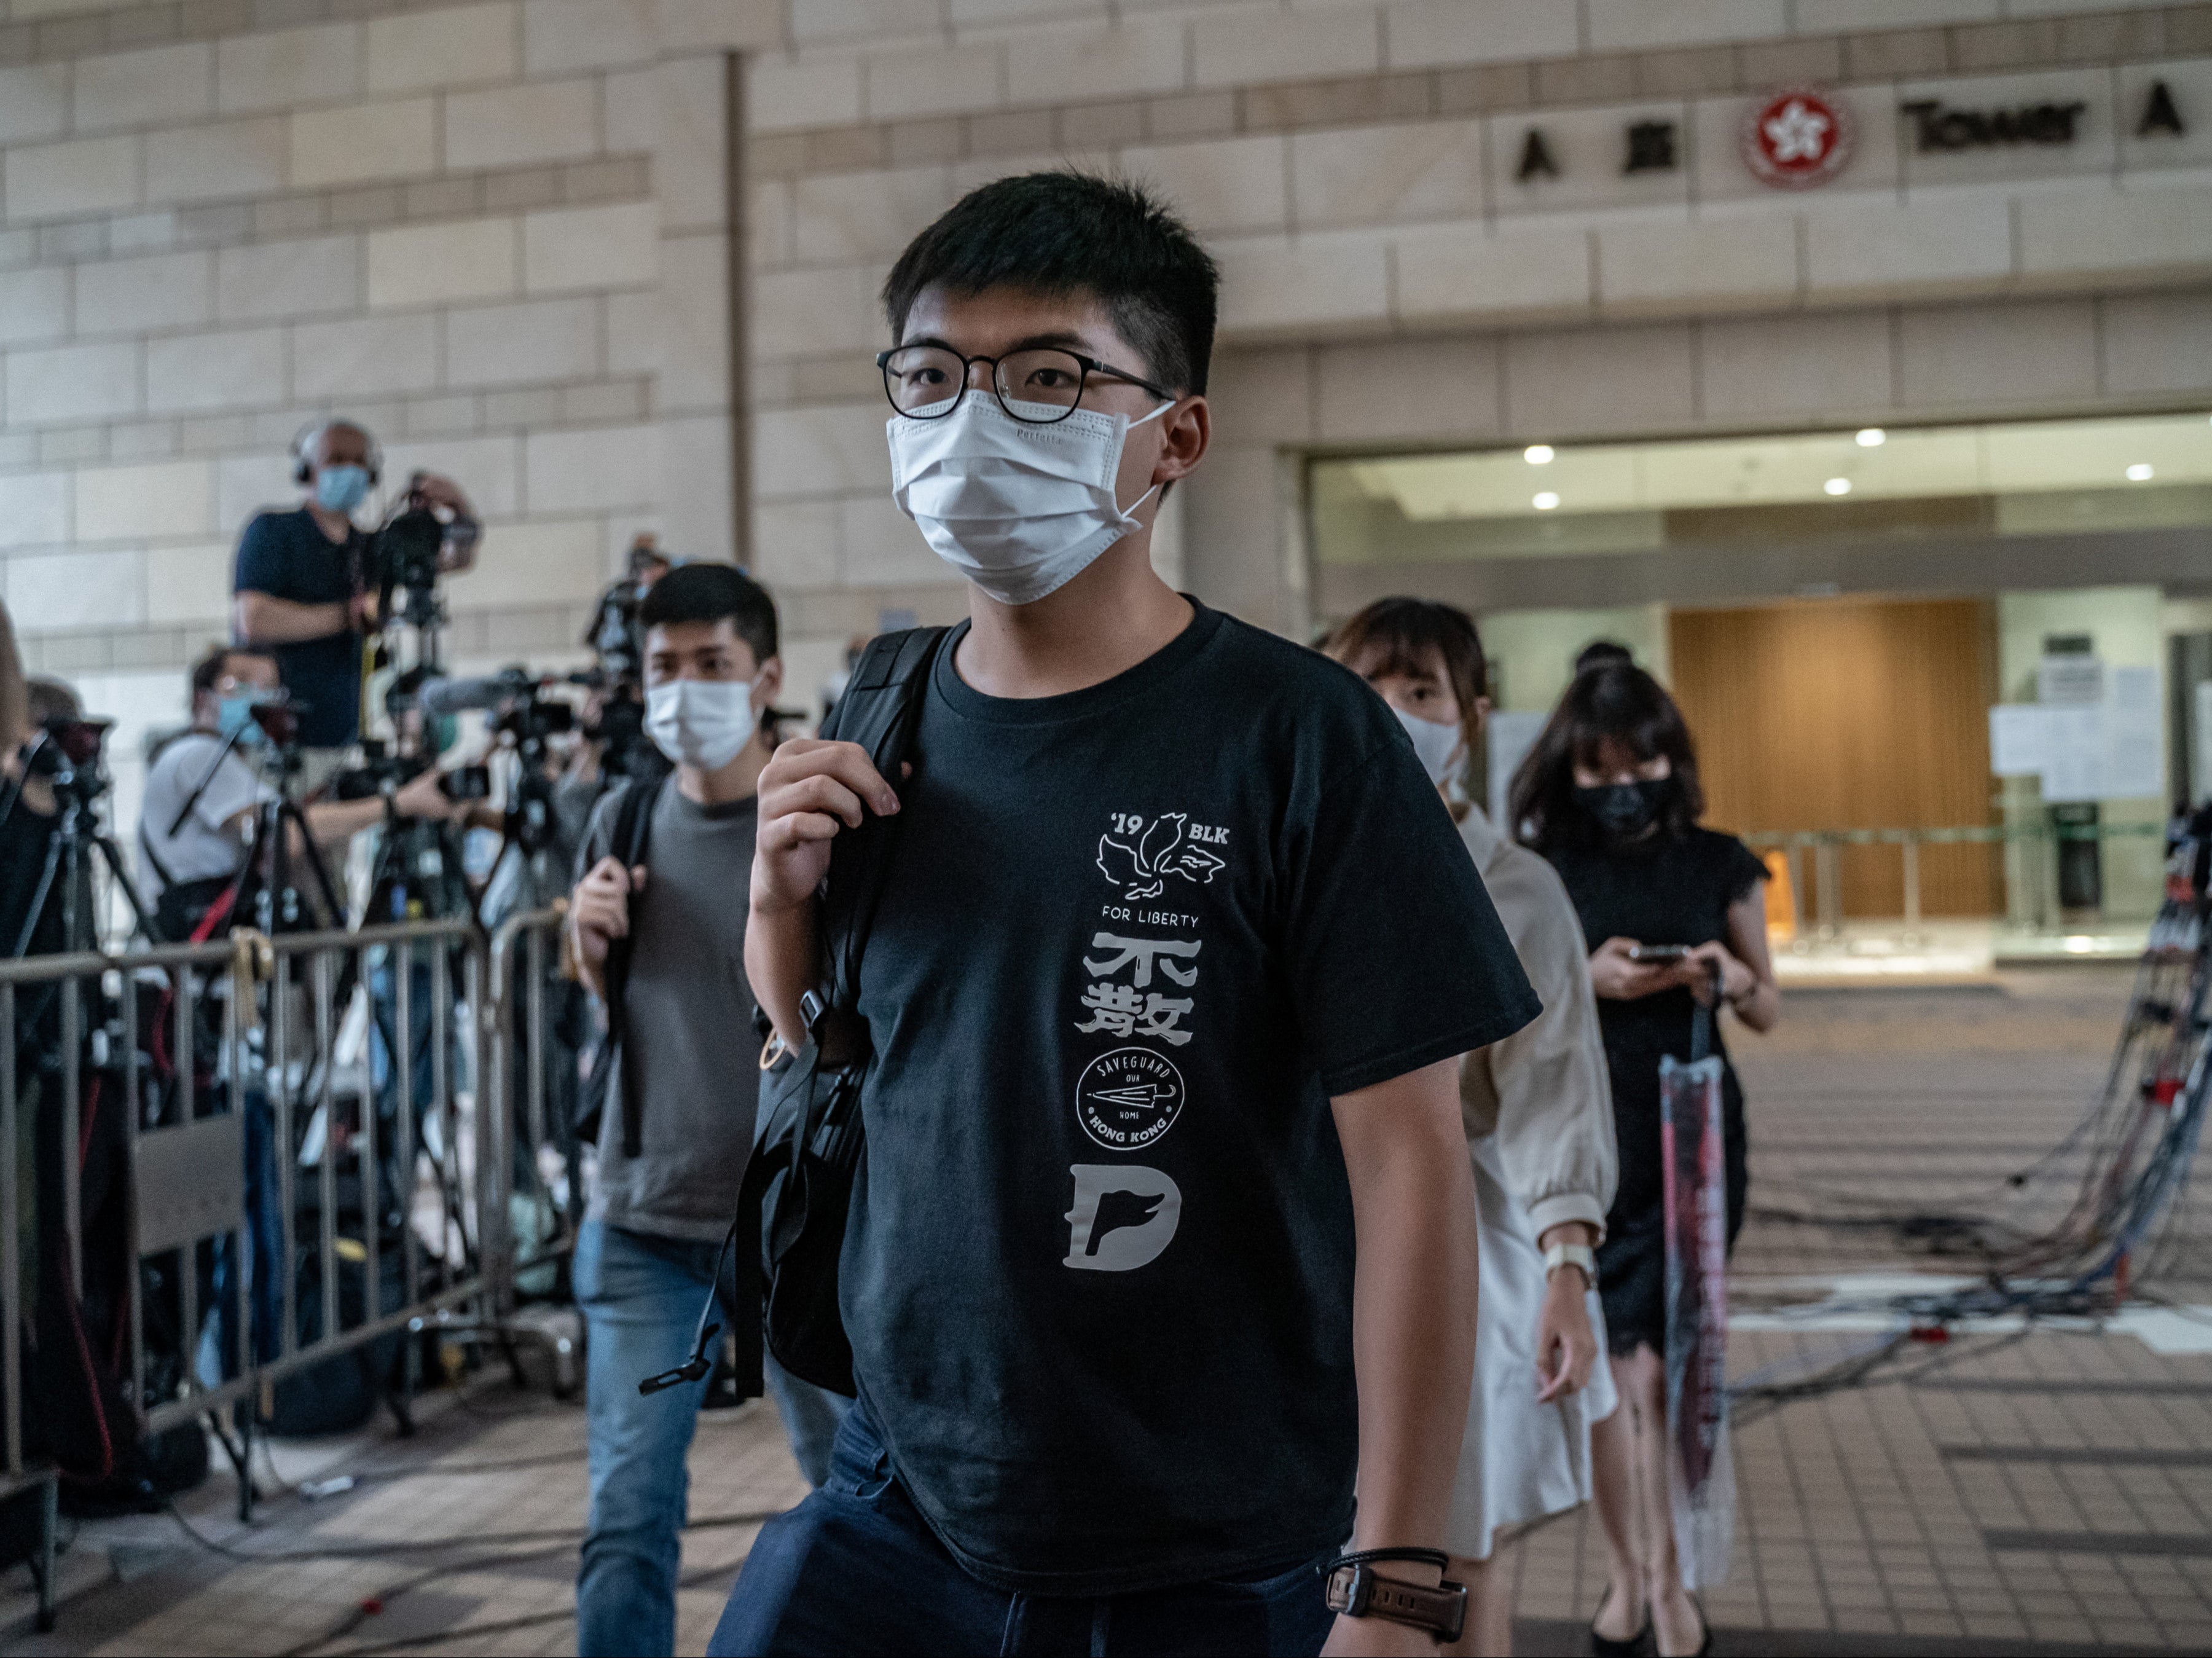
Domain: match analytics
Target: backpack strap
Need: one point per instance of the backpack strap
(633, 832)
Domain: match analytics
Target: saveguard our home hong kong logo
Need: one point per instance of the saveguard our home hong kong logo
(1128, 1098)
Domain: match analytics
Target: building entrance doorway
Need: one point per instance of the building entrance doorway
(1850, 714)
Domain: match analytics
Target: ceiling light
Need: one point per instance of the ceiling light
(2140, 472)
(1539, 454)
(1872, 437)
(1838, 486)
(1545, 501)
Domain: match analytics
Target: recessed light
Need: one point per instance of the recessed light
(1545, 501)
(1838, 486)
(2140, 472)
(1872, 437)
(1539, 454)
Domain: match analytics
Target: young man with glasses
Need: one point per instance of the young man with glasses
(1165, 1225)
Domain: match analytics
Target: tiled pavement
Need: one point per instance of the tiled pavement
(2035, 1492)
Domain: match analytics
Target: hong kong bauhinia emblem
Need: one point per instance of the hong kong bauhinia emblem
(1796, 138)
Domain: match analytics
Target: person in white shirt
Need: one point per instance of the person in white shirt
(1538, 1111)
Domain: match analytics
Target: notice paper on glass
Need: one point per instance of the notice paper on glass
(2108, 749)
(2130, 740)
(2017, 744)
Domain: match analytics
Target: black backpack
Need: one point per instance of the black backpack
(632, 830)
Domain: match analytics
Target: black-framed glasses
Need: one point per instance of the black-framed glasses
(1039, 385)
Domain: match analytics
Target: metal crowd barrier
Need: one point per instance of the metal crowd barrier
(1826, 846)
(285, 1099)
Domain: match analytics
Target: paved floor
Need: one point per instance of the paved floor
(2034, 1492)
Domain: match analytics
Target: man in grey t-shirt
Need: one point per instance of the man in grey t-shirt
(644, 1258)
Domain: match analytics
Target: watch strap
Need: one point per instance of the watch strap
(1572, 1255)
(1357, 1590)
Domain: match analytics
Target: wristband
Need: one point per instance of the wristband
(1572, 1255)
(1358, 1591)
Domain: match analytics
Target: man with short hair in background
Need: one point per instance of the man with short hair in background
(645, 1256)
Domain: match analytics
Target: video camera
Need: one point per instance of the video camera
(382, 772)
(66, 754)
(616, 639)
(409, 552)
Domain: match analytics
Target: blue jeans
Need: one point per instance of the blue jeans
(854, 1570)
(640, 1296)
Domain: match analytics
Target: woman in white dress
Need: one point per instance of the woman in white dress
(1539, 1118)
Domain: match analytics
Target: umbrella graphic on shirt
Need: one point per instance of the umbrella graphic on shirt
(1141, 871)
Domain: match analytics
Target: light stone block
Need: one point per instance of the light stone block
(33, 102)
(52, 591)
(186, 585)
(1655, 269)
(1388, 175)
(697, 496)
(2080, 238)
(2095, 147)
(568, 249)
(34, 304)
(867, 20)
(83, 175)
(218, 159)
(690, 148)
(247, 484)
(782, 92)
(825, 450)
(318, 275)
(1823, 367)
(454, 46)
(2158, 342)
(710, 26)
(436, 263)
(1600, 382)
(284, 69)
(769, 227)
(361, 142)
(364, 357)
(525, 344)
(172, 499)
(881, 546)
(1136, 56)
(164, 290)
(488, 469)
(512, 127)
(61, 385)
(1274, 286)
(142, 88)
(634, 333)
(1265, 396)
(1520, 272)
(1441, 391)
(1836, 16)
(2022, 356)
(695, 323)
(1221, 187)
(2188, 82)
(197, 373)
(546, 561)
(1722, 175)
(941, 82)
(1590, 148)
(630, 110)
(1632, 25)
(795, 548)
(33, 508)
(1234, 48)
(561, 36)
(590, 469)
(1435, 34)
(983, 14)
(1869, 247)
(844, 218)
(801, 314)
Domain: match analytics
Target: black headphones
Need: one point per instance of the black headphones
(304, 441)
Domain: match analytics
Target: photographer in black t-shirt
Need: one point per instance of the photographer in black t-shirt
(1176, 956)
(300, 592)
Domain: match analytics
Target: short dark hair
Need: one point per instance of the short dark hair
(52, 699)
(711, 592)
(1072, 232)
(209, 667)
(1610, 701)
(1399, 636)
(1601, 650)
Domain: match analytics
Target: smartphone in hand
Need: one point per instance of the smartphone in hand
(1657, 955)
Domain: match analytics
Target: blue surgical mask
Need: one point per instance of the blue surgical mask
(234, 717)
(341, 488)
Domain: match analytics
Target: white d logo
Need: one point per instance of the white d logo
(1122, 1217)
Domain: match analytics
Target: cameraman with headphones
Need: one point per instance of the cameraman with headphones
(301, 592)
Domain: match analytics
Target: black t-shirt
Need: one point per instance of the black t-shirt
(1133, 939)
(287, 555)
(1669, 889)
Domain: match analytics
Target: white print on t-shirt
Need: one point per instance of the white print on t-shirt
(1122, 1217)
(1142, 859)
(1130, 1010)
(1128, 1098)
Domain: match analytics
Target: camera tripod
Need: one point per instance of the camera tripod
(75, 785)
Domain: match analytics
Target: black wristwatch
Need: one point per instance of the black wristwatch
(1357, 1590)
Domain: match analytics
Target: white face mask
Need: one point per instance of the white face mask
(1436, 746)
(700, 722)
(1019, 510)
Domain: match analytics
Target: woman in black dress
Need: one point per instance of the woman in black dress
(1609, 794)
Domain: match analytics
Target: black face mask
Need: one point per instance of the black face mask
(1625, 810)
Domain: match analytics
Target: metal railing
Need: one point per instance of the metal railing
(1826, 847)
(294, 1113)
